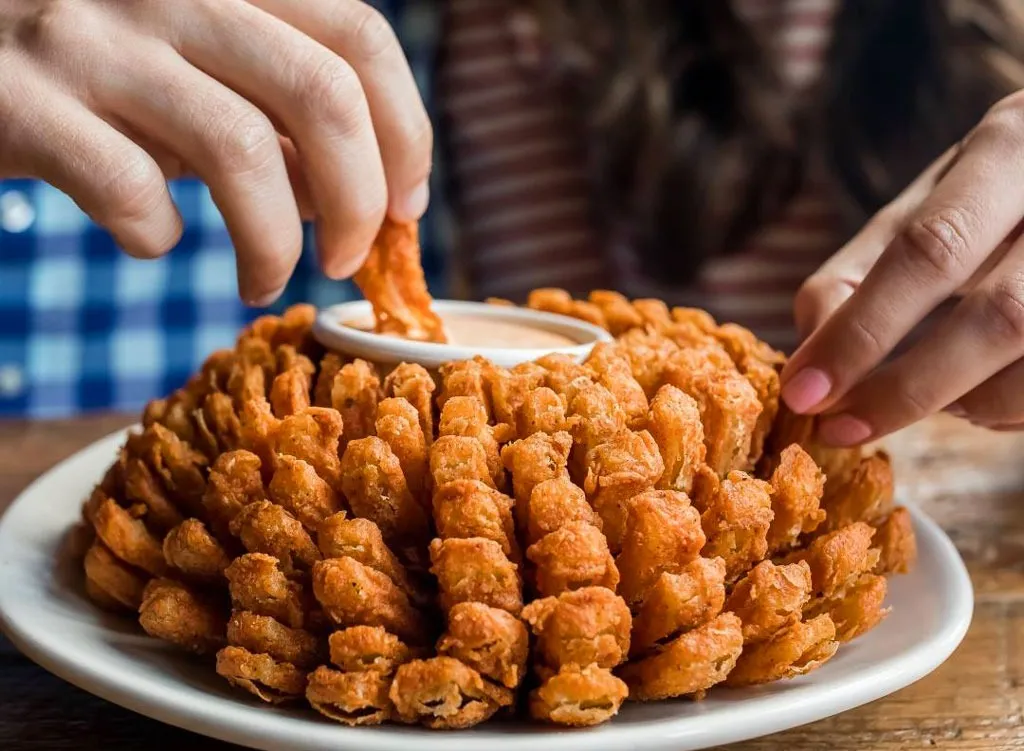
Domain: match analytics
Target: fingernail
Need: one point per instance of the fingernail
(262, 301)
(415, 204)
(844, 430)
(347, 268)
(956, 410)
(806, 389)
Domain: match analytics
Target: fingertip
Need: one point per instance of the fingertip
(412, 205)
(806, 389)
(844, 430)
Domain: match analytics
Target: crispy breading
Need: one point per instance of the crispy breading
(469, 508)
(770, 598)
(736, 521)
(531, 461)
(688, 665)
(259, 427)
(367, 649)
(312, 436)
(329, 367)
(554, 504)
(264, 527)
(765, 381)
(443, 693)
(128, 539)
(466, 378)
(625, 466)
(541, 411)
(178, 466)
(491, 641)
(613, 371)
(219, 424)
(662, 533)
(865, 496)
(674, 421)
(262, 634)
(115, 584)
(458, 457)
(797, 649)
(896, 543)
(361, 539)
(574, 555)
(797, 486)
(192, 550)
(584, 626)
(398, 426)
(235, 481)
(353, 699)
(859, 609)
(261, 675)
(465, 416)
(413, 383)
(257, 584)
(289, 392)
(551, 300)
(509, 389)
(595, 417)
(619, 314)
(355, 394)
(729, 407)
(838, 558)
(578, 696)
(142, 487)
(298, 488)
(375, 487)
(353, 594)
(391, 278)
(648, 353)
(174, 613)
(475, 570)
(560, 370)
(679, 602)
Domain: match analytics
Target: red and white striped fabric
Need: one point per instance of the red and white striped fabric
(517, 161)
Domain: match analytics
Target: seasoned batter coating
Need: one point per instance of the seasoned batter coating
(444, 693)
(475, 570)
(192, 550)
(578, 697)
(353, 699)
(574, 555)
(261, 634)
(257, 584)
(491, 641)
(262, 676)
(174, 613)
(582, 627)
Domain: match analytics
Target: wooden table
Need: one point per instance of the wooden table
(971, 481)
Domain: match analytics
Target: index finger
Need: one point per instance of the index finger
(938, 248)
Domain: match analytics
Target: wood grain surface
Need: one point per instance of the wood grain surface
(970, 480)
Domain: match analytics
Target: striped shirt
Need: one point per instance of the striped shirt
(518, 160)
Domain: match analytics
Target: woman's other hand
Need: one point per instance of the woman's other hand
(955, 232)
(284, 108)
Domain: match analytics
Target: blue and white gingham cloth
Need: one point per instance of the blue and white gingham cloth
(85, 327)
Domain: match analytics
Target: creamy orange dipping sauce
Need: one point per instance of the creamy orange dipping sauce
(474, 331)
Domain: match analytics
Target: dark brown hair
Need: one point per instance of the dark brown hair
(694, 143)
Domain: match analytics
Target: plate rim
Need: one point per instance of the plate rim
(268, 732)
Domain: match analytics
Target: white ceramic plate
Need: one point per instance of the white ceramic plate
(44, 612)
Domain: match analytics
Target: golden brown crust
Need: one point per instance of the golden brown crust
(736, 520)
(413, 383)
(554, 504)
(261, 634)
(896, 543)
(770, 598)
(469, 508)
(235, 481)
(443, 693)
(174, 613)
(298, 488)
(688, 665)
(398, 426)
(355, 393)
(573, 556)
(264, 527)
(678, 603)
(367, 648)
(662, 533)
(532, 461)
(353, 699)
(111, 583)
(289, 392)
(475, 570)
(674, 421)
(838, 558)
(259, 674)
(860, 608)
(797, 487)
(491, 641)
(458, 457)
(865, 496)
(353, 594)
(192, 550)
(578, 697)
(257, 584)
(795, 650)
(582, 627)
(128, 539)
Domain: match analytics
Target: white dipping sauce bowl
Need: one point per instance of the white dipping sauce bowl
(331, 331)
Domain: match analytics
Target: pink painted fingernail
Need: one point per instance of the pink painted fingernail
(844, 430)
(806, 389)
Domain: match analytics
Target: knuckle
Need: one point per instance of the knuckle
(915, 400)
(1003, 310)
(373, 35)
(45, 26)
(331, 91)
(133, 190)
(245, 142)
(864, 339)
(938, 243)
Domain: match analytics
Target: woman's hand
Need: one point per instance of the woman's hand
(280, 106)
(955, 232)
